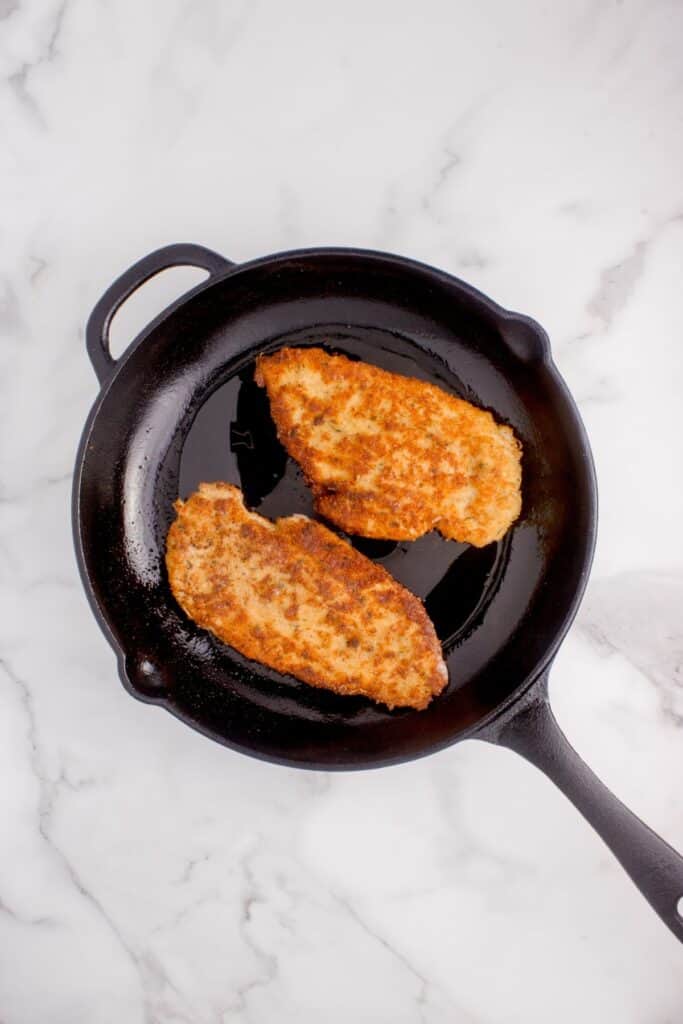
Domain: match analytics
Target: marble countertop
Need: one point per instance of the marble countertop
(534, 149)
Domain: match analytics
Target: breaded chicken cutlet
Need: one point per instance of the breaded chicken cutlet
(293, 595)
(389, 456)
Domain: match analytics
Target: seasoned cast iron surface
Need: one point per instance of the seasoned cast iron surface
(184, 408)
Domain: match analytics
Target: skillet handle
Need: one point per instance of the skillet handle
(184, 254)
(655, 867)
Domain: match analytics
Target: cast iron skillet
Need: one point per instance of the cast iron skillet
(181, 406)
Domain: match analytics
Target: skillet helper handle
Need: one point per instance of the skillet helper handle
(654, 866)
(184, 254)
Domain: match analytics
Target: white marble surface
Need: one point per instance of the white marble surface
(535, 149)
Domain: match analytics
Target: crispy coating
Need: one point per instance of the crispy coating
(389, 456)
(293, 595)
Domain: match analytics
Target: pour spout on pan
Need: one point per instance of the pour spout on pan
(655, 867)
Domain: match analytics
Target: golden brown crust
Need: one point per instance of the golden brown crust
(293, 595)
(389, 456)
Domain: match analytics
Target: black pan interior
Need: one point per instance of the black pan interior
(183, 407)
